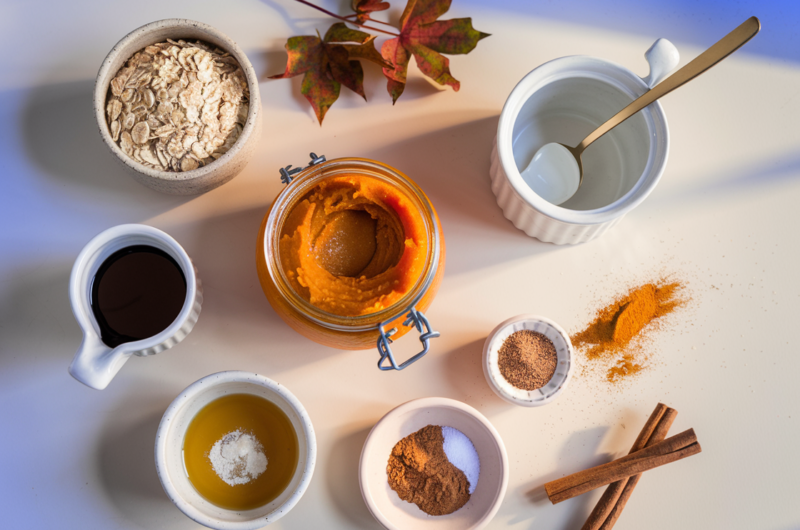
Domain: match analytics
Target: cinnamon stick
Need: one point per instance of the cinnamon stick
(674, 448)
(610, 506)
(616, 510)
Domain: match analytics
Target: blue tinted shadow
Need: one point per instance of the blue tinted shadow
(698, 22)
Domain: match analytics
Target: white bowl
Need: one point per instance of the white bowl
(217, 172)
(507, 391)
(563, 101)
(169, 450)
(394, 513)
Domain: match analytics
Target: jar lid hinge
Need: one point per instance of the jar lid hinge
(287, 173)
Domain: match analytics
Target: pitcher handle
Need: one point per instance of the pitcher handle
(663, 57)
(95, 364)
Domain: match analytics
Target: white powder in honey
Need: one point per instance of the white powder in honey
(238, 458)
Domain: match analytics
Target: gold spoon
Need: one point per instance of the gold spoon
(557, 168)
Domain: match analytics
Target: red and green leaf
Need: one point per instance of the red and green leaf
(367, 52)
(359, 45)
(329, 62)
(396, 75)
(426, 38)
(303, 55)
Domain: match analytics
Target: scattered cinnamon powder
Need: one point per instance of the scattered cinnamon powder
(420, 472)
(611, 334)
(625, 367)
(527, 359)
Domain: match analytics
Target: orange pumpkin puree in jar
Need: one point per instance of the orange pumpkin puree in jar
(353, 246)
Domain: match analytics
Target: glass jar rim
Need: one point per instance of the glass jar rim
(293, 193)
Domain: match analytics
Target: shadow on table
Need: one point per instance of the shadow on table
(464, 372)
(297, 26)
(235, 309)
(343, 482)
(578, 453)
(709, 189)
(59, 131)
(452, 166)
(128, 471)
(36, 314)
(274, 63)
(695, 22)
(374, 87)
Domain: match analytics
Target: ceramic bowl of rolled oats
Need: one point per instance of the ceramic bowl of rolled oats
(177, 102)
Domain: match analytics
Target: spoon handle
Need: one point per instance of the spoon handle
(724, 47)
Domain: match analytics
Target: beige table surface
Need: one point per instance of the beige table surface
(724, 219)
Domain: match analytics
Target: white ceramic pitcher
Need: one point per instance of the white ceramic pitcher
(95, 364)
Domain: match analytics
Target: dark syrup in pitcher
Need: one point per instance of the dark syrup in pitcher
(137, 293)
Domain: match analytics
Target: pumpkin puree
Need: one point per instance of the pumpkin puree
(353, 245)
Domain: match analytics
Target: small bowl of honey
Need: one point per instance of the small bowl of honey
(235, 451)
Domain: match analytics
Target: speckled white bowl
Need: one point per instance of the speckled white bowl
(507, 391)
(169, 450)
(204, 178)
(396, 514)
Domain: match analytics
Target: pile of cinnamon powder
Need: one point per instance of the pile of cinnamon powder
(615, 335)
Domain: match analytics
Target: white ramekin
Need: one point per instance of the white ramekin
(563, 101)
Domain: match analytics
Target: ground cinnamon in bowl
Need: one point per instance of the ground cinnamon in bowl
(420, 471)
(527, 359)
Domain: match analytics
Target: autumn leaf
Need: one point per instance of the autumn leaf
(363, 8)
(426, 38)
(364, 50)
(329, 62)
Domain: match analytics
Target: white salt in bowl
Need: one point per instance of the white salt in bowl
(394, 513)
(518, 396)
(169, 450)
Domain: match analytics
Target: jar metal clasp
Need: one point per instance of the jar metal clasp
(288, 173)
(384, 341)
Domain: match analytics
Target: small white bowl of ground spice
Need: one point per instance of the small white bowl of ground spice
(433, 464)
(527, 360)
(177, 102)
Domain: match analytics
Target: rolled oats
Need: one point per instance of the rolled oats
(177, 105)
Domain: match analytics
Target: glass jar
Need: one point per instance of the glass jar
(378, 328)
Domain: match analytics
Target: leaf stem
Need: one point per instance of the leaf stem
(318, 8)
(370, 19)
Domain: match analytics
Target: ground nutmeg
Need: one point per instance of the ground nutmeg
(527, 359)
